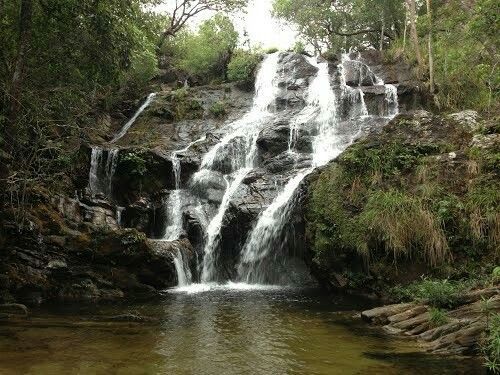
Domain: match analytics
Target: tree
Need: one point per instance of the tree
(184, 10)
(429, 46)
(207, 52)
(25, 19)
(413, 31)
(326, 24)
(63, 64)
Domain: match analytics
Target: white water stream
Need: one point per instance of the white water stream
(103, 162)
(322, 107)
(245, 131)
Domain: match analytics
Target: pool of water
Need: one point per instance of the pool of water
(232, 329)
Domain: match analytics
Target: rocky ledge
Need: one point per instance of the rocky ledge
(80, 255)
(458, 332)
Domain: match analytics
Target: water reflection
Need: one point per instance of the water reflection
(225, 331)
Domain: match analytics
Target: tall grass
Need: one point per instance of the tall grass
(404, 226)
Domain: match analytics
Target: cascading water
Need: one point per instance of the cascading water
(182, 268)
(322, 108)
(242, 135)
(173, 229)
(103, 162)
(131, 122)
(334, 114)
(102, 168)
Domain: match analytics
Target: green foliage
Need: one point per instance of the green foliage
(134, 163)
(495, 274)
(299, 47)
(393, 158)
(271, 50)
(206, 53)
(327, 25)
(242, 65)
(218, 109)
(83, 58)
(184, 105)
(491, 346)
(132, 237)
(465, 52)
(437, 293)
(438, 317)
(402, 224)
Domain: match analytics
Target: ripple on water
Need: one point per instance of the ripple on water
(229, 286)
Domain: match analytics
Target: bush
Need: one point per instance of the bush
(491, 346)
(133, 163)
(242, 66)
(402, 223)
(496, 274)
(271, 50)
(299, 47)
(218, 109)
(437, 293)
(206, 53)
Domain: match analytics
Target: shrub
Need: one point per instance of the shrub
(133, 163)
(271, 50)
(402, 223)
(438, 317)
(437, 293)
(496, 274)
(205, 53)
(218, 109)
(242, 66)
(299, 47)
(491, 345)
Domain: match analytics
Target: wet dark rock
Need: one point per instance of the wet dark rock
(358, 74)
(461, 334)
(296, 66)
(210, 185)
(13, 310)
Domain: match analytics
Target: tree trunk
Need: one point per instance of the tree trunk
(406, 27)
(413, 31)
(429, 46)
(17, 78)
(382, 35)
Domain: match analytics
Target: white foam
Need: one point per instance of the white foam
(230, 286)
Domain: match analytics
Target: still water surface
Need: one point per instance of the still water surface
(224, 330)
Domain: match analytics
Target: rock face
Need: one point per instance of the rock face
(67, 258)
(460, 334)
(180, 117)
(78, 249)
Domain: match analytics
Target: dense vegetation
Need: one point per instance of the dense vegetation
(454, 44)
(389, 200)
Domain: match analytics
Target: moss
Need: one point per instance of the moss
(400, 197)
(218, 109)
(184, 105)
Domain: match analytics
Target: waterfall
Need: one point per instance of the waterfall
(102, 169)
(321, 108)
(242, 134)
(95, 161)
(391, 100)
(173, 229)
(182, 269)
(130, 122)
(103, 162)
